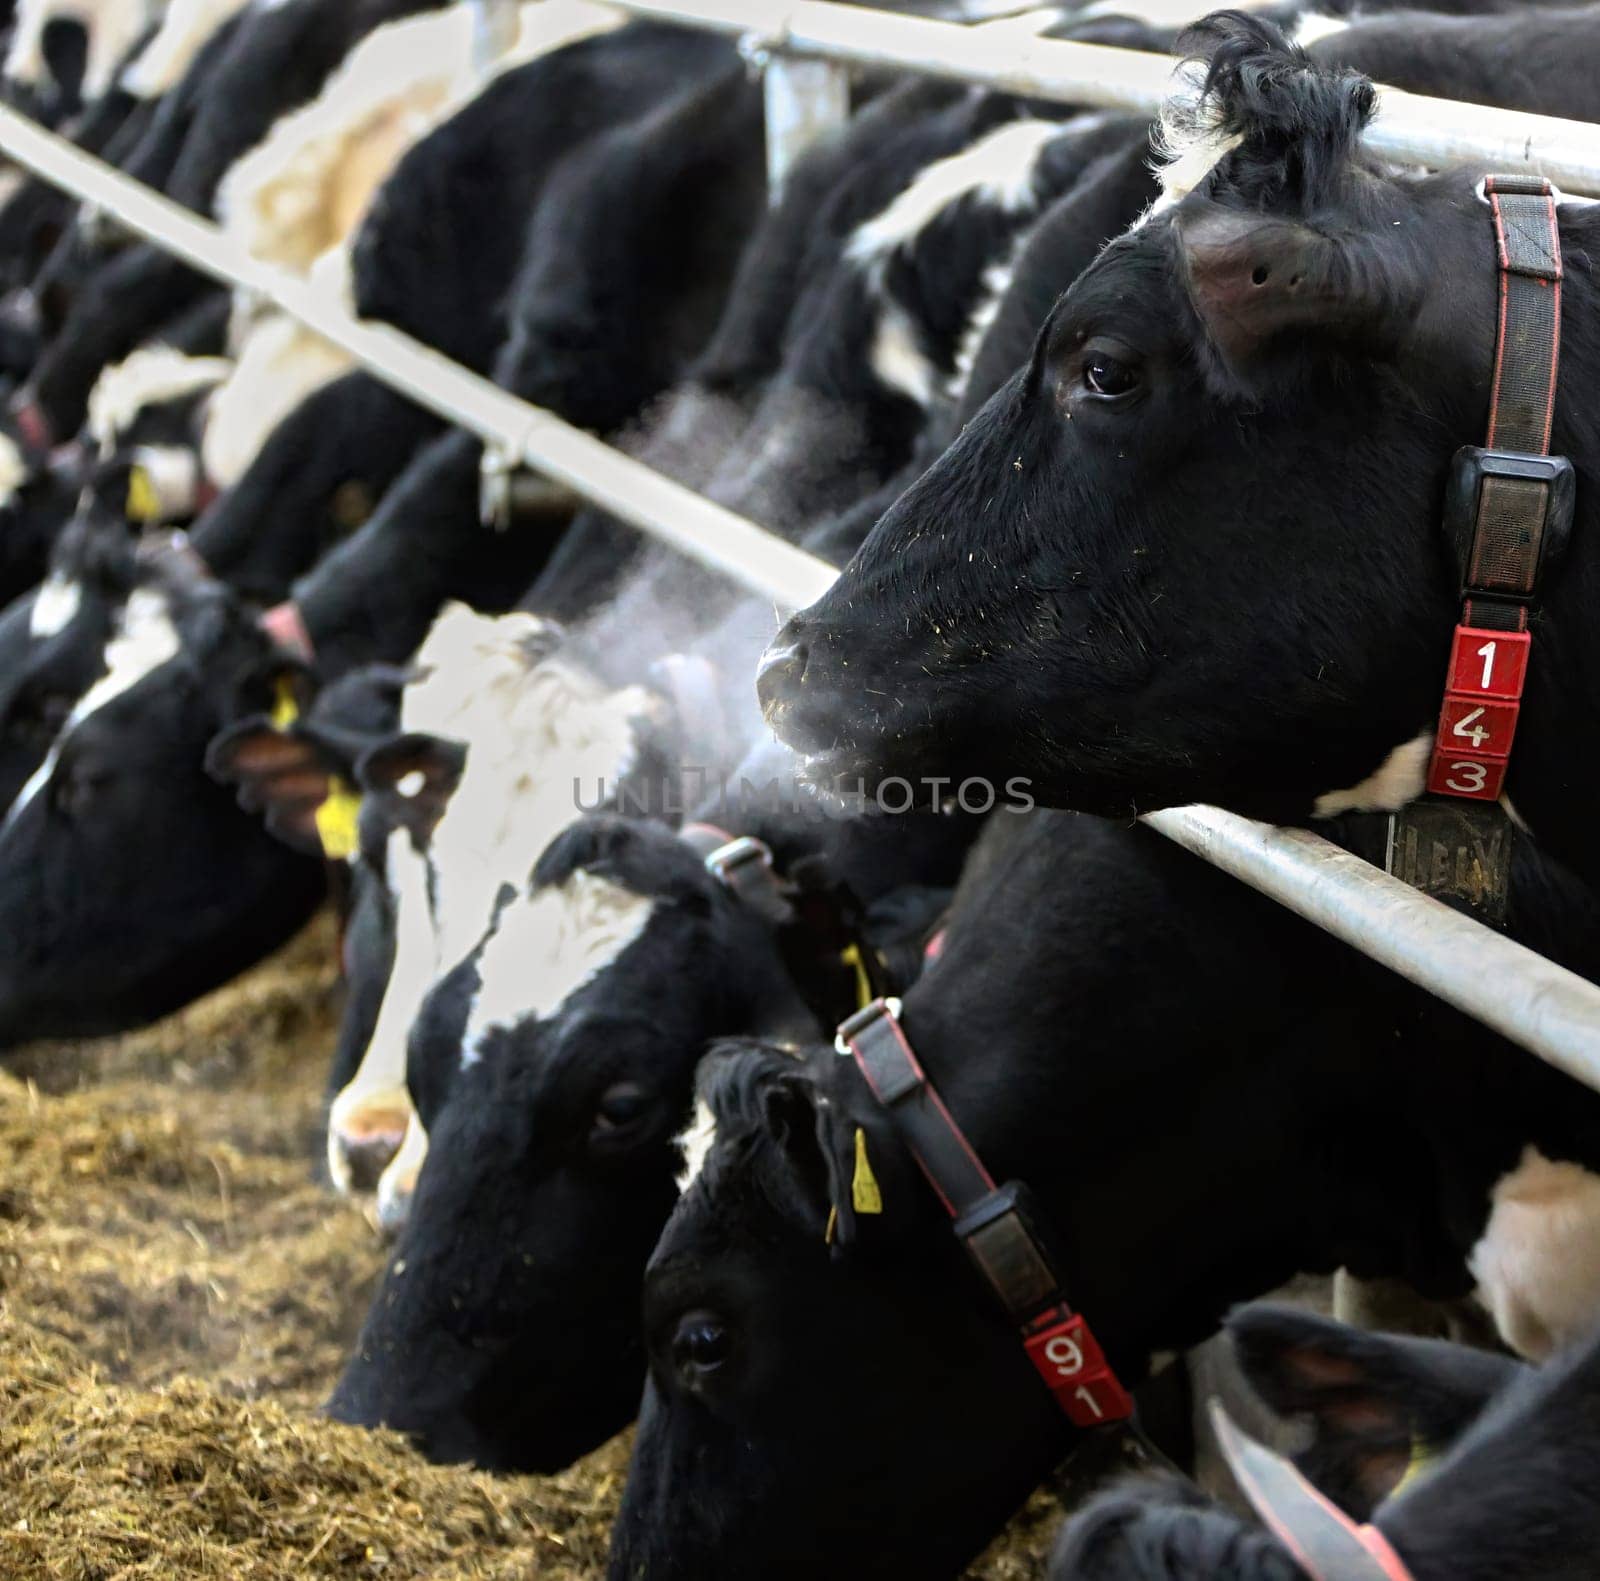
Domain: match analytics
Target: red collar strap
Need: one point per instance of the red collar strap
(996, 1224)
(1509, 504)
(1323, 1540)
(287, 627)
(1508, 513)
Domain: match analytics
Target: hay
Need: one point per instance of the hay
(177, 1295)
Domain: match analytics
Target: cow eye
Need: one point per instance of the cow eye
(1105, 375)
(700, 1345)
(620, 1106)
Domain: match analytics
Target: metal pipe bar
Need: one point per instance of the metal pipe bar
(1409, 128)
(644, 498)
(1549, 1011)
(1529, 999)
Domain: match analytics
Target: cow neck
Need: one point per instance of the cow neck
(1508, 513)
(998, 1226)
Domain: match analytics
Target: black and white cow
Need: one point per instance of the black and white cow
(554, 1069)
(1191, 550)
(1502, 1486)
(1194, 1130)
(268, 59)
(120, 822)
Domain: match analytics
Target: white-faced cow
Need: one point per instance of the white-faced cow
(554, 1068)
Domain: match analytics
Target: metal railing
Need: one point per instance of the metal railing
(1547, 1010)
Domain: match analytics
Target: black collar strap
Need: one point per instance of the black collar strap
(1508, 512)
(996, 1224)
(742, 865)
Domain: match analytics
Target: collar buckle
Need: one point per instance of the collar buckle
(727, 859)
(851, 1028)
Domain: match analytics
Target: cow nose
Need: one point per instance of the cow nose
(782, 670)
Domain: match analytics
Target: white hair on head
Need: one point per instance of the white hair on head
(547, 945)
(1190, 140)
(695, 1142)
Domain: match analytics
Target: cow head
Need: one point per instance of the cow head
(552, 1071)
(815, 1372)
(131, 881)
(1190, 551)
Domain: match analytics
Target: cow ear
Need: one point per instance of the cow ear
(1379, 1405)
(413, 777)
(276, 774)
(1256, 280)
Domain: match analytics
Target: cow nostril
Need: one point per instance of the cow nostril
(782, 669)
(1259, 274)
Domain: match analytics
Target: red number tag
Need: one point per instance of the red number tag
(1473, 778)
(1074, 1369)
(1488, 663)
(1477, 726)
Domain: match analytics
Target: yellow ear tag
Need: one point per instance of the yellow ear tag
(285, 710)
(143, 504)
(1421, 1458)
(851, 956)
(865, 1196)
(336, 821)
(833, 1226)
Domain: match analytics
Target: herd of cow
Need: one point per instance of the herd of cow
(1131, 443)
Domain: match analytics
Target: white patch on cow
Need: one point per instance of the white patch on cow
(535, 727)
(185, 30)
(14, 469)
(899, 360)
(1400, 778)
(539, 730)
(304, 188)
(380, 1080)
(173, 473)
(998, 169)
(398, 1182)
(694, 1143)
(1189, 139)
(1538, 1262)
(1313, 27)
(113, 26)
(279, 364)
(546, 946)
(149, 377)
(145, 639)
(996, 282)
(58, 599)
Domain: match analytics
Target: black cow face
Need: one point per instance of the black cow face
(854, 1411)
(1191, 551)
(553, 1071)
(130, 882)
